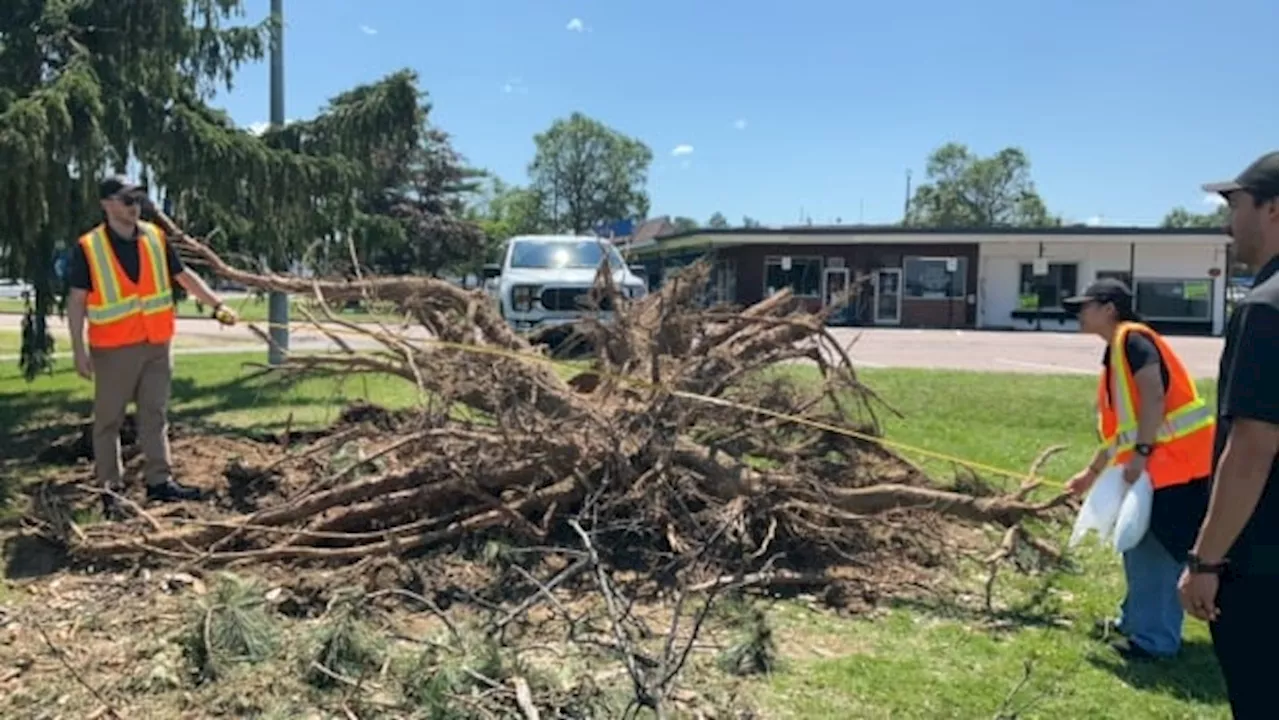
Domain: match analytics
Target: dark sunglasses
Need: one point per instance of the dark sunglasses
(129, 199)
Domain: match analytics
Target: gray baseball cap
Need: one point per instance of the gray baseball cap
(1259, 179)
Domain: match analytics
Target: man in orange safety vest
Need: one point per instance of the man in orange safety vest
(1151, 419)
(121, 274)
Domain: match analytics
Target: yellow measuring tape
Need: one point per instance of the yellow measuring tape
(744, 407)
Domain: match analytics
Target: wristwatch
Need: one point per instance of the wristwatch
(1143, 449)
(1197, 566)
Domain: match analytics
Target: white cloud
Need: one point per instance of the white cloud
(368, 30)
(1214, 200)
(740, 124)
(1095, 221)
(515, 86)
(681, 150)
(576, 25)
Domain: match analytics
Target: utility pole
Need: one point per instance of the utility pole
(277, 302)
(906, 200)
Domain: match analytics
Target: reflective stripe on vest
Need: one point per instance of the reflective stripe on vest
(1189, 418)
(115, 305)
(1180, 423)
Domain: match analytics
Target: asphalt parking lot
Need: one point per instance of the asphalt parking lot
(1011, 351)
(980, 350)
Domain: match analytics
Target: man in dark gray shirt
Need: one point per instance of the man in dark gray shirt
(1231, 575)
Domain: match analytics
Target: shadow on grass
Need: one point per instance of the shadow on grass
(24, 439)
(1037, 608)
(34, 419)
(1192, 676)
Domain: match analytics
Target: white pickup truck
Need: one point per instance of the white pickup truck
(543, 280)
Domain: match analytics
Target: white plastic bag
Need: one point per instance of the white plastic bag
(1135, 515)
(1101, 507)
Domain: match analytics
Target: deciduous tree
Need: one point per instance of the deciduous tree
(587, 174)
(717, 221)
(966, 190)
(503, 211)
(1184, 218)
(684, 224)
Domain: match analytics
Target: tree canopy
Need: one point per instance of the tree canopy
(1184, 218)
(966, 190)
(502, 211)
(92, 85)
(717, 221)
(586, 173)
(684, 224)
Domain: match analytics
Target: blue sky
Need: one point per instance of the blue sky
(769, 109)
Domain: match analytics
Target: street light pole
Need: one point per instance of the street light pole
(277, 302)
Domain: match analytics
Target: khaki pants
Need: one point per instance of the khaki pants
(133, 373)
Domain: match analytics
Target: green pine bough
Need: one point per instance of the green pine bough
(98, 85)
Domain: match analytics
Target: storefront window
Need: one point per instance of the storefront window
(803, 276)
(1045, 292)
(934, 277)
(1163, 299)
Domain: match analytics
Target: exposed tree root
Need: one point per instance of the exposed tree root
(503, 440)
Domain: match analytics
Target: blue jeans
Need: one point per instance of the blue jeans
(1151, 616)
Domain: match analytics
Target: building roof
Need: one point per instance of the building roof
(709, 238)
(861, 230)
(648, 231)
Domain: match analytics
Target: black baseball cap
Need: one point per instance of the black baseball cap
(1104, 290)
(1259, 179)
(119, 185)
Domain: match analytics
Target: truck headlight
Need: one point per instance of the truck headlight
(522, 297)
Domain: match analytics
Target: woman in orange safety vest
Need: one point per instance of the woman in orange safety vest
(1150, 419)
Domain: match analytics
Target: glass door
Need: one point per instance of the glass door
(835, 291)
(888, 308)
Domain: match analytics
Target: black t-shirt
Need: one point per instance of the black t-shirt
(1177, 511)
(1139, 352)
(126, 251)
(1247, 388)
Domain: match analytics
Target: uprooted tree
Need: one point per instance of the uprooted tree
(679, 429)
(680, 454)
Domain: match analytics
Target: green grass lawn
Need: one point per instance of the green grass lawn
(228, 389)
(935, 662)
(249, 308)
(930, 660)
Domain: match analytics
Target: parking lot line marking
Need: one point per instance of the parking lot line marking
(1047, 366)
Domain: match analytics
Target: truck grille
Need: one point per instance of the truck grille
(570, 299)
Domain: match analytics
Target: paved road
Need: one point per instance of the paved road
(201, 336)
(994, 351)
(1017, 352)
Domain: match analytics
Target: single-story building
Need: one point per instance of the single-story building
(926, 278)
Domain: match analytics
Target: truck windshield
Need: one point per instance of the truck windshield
(563, 254)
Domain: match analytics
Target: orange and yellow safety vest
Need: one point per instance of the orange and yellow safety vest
(121, 311)
(1183, 449)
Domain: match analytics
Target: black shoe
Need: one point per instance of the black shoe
(170, 490)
